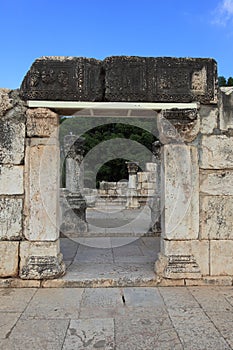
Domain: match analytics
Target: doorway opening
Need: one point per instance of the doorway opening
(110, 200)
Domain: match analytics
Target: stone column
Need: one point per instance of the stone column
(73, 204)
(182, 255)
(155, 202)
(132, 199)
(74, 151)
(39, 252)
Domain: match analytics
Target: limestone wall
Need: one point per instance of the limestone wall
(197, 221)
(29, 160)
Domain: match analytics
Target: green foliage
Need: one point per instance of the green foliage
(222, 81)
(230, 81)
(108, 162)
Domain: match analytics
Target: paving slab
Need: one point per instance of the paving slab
(54, 304)
(223, 321)
(101, 303)
(211, 299)
(36, 335)
(182, 298)
(146, 333)
(93, 254)
(15, 299)
(7, 322)
(90, 334)
(196, 331)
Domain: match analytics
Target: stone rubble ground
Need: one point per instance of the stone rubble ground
(87, 318)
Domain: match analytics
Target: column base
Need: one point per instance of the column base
(41, 260)
(177, 267)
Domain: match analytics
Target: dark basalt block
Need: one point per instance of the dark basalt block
(122, 78)
(162, 79)
(64, 79)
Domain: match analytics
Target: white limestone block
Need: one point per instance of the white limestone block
(226, 108)
(9, 259)
(151, 167)
(10, 218)
(11, 180)
(221, 262)
(143, 176)
(216, 152)
(208, 119)
(41, 122)
(42, 192)
(216, 219)
(217, 182)
(149, 185)
(180, 192)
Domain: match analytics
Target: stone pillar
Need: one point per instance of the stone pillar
(182, 254)
(74, 150)
(40, 256)
(73, 205)
(132, 199)
(155, 202)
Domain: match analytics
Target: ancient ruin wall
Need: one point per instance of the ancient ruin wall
(199, 248)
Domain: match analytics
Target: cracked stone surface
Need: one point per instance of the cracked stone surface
(131, 318)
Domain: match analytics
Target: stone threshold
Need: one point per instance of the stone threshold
(64, 282)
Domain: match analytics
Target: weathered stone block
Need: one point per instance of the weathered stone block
(216, 183)
(40, 260)
(5, 101)
(41, 191)
(216, 152)
(143, 176)
(9, 259)
(226, 108)
(197, 249)
(149, 185)
(12, 137)
(73, 218)
(161, 79)
(221, 262)
(10, 218)
(208, 119)
(42, 122)
(151, 167)
(64, 79)
(180, 192)
(11, 180)
(178, 125)
(216, 220)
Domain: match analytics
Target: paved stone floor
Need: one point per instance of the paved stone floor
(115, 252)
(108, 261)
(97, 318)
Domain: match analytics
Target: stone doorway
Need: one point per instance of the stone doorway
(112, 240)
(194, 120)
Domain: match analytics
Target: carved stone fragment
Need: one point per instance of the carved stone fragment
(40, 260)
(41, 122)
(64, 79)
(73, 207)
(161, 79)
